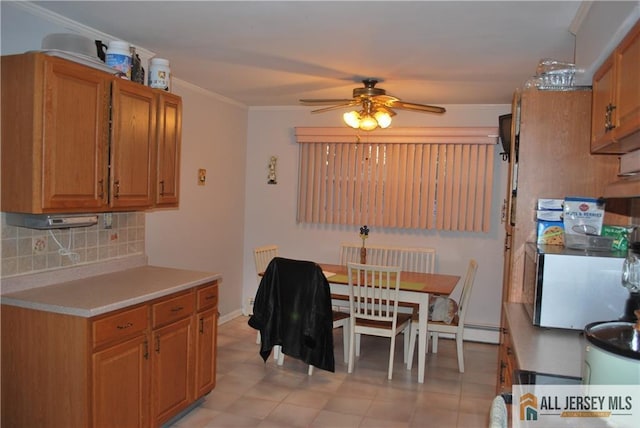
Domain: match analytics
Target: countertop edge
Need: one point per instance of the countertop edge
(134, 299)
(563, 349)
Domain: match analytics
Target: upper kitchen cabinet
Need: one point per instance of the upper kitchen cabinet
(615, 123)
(133, 139)
(55, 135)
(77, 139)
(168, 156)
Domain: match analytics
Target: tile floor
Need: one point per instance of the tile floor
(250, 393)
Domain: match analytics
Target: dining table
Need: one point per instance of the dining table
(415, 288)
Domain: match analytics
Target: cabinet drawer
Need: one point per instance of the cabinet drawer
(172, 309)
(120, 326)
(207, 296)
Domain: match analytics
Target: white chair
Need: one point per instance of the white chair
(373, 305)
(410, 259)
(498, 415)
(262, 257)
(291, 311)
(456, 327)
(340, 319)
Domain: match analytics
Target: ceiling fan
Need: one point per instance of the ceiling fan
(377, 107)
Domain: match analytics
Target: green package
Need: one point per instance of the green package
(620, 235)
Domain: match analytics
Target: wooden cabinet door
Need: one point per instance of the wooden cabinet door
(120, 392)
(75, 132)
(133, 146)
(627, 58)
(615, 123)
(172, 369)
(168, 157)
(602, 111)
(55, 131)
(207, 324)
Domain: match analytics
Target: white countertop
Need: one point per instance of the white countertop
(544, 350)
(100, 294)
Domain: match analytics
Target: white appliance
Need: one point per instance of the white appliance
(612, 354)
(51, 221)
(569, 289)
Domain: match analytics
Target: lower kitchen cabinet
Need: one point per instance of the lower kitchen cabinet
(506, 361)
(206, 352)
(121, 381)
(172, 357)
(134, 367)
(172, 369)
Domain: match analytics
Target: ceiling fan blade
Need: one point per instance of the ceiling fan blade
(345, 105)
(416, 107)
(325, 101)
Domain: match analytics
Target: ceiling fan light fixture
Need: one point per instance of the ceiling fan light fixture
(368, 123)
(383, 118)
(377, 107)
(352, 118)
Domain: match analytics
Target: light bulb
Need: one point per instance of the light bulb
(383, 118)
(352, 118)
(368, 123)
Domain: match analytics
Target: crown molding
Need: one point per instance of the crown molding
(72, 25)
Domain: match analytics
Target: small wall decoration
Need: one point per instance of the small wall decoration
(272, 171)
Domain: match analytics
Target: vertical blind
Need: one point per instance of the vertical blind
(419, 178)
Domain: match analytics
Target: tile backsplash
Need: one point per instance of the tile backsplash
(30, 250)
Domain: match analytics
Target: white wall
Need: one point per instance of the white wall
(206, 232)
(270, 215)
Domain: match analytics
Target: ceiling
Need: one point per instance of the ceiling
(272, 53)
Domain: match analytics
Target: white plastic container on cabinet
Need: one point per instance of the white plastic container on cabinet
(119, 57)
(160, 74)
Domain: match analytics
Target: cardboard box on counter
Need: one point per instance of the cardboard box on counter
(549, 215)
(550, 232)
(550, 204)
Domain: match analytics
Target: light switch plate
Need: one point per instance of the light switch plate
(202, 176)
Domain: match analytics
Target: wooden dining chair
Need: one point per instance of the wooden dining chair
(262, 256)
(451, 325)
(340, 320)
(293, 313)
(410, 259)
(373, 306)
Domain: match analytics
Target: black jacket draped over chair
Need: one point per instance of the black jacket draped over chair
(292, 308)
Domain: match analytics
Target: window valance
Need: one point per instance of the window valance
(415, 135)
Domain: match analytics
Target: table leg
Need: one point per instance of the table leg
(423, 314)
